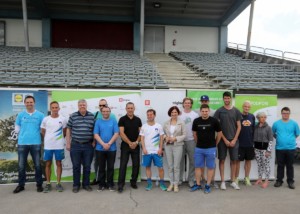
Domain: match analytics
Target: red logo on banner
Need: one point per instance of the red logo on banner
(147, 102)
(120, 99)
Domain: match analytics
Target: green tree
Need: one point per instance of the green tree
(8, 137)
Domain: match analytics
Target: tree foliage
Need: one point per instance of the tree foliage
(8, 137)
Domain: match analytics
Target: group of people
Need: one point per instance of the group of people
(203, 136)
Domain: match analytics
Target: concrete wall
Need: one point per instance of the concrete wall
(193, 39)
(15, 32)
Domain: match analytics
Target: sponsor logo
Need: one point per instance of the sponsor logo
(177, 102)
(123, 100)
(18, 98)
(147, 102)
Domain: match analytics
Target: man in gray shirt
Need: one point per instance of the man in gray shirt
(230, 120)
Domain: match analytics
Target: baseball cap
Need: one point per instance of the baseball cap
(204, 98)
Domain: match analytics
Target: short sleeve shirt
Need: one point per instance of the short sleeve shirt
(54, 138)
(30, 132)
(247, 130)
(131, 127)
(106, 129)
(188, 119)
(206, 131)
(152, 137)
(286, 134)
(228, 120)
(82, 127)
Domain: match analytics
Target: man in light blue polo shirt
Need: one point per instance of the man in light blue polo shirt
(285, 131)
(27, 127)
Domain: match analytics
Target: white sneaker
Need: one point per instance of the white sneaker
(223, 185)
(215, 185)
(234, 186)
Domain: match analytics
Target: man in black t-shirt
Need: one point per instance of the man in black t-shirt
(204, 131)
(130, 126)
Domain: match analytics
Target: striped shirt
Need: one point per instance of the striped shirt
(81, 127)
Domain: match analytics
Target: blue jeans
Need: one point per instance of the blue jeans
(35, 152)
(81, 154)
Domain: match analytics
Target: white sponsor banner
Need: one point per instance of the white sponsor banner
(160, 101)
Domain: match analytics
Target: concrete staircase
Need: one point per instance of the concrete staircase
(177, 75)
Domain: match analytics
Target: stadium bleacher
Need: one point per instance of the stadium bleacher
(90, 68)
(63, 67)
(233, 72)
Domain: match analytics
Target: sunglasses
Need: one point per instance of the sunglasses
(102, 105)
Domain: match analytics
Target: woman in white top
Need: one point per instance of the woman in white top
(174, 135)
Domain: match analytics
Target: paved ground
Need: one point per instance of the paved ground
(247, 200)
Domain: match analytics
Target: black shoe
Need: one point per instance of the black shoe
(120, 189)
(18, 189)
(88, 188)
(75, 189)
(278, 184)
(100, 189)
(291, 185)
(39, 189)
(112, 188)
(94, 182)
(134, 186)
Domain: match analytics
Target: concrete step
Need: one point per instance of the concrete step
(177, 74)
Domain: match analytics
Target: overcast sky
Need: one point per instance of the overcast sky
(276, 25)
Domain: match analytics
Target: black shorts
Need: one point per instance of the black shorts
(246, 153)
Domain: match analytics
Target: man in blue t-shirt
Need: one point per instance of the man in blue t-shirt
(27, 127)
(285, 131)
(246, 149)
(106, 132)
(98, 115)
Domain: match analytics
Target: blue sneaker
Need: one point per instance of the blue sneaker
(163, 186)
(207, 189)
(195, 188)
(149, 187)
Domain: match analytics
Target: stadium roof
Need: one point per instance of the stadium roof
(175, 12)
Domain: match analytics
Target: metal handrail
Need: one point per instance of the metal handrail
(270, 49)
(263, 49)
(288, 52)
(236, 44)
(241, 45)
(264, 52)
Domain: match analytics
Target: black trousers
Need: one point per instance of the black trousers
(126, 151)
(106, 160)
(285, 158)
